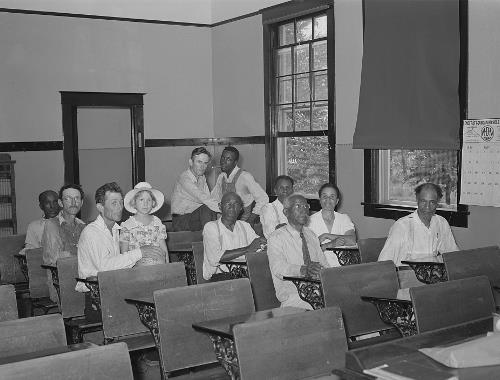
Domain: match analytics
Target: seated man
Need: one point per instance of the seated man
(272, 216)
(99, 247)
(192, 204)
(227, 238)
(47, 201)
(61, 233)
(241, 182)
(422, 233)
(294, 250)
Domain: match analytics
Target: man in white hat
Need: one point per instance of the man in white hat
(98, 247)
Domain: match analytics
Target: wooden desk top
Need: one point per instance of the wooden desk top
(402, 295)
(224, 326)
(144, 300)
(406, 350)
(48, 352)
(315, 280)
(239, 260)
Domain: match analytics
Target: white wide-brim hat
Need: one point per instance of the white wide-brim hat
(139, 187)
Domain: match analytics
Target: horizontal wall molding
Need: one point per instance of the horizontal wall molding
(157, 143)
(30, 146)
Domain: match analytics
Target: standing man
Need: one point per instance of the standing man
(99, 246)
(294, 250)
(227, 238)
(272, 216)
(61, 233)
(422, 233)
(47, 202)
(234, 179)
(192, 204)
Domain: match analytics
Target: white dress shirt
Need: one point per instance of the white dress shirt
(191, 192)
(99, 250)
(410, 239)
(341, 224)
(246, 187)
(272, 215)
(34, 235)
(284, 250)
(217, 239)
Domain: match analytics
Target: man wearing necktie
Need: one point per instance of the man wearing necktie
(294, 250)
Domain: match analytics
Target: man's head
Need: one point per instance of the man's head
(48, 201)
(428, 196)
(198, 163)
(283, 187)
(229, 159)
(109, 202)
(231, 206)
(296, 209)
(71, 199)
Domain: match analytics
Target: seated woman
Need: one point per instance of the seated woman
(332, 228)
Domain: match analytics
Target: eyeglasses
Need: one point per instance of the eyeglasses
(71, 199)
(299, 206)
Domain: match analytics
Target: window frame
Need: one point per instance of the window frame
(272, 17)
(458, 217)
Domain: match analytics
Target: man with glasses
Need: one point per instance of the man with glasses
(294, 250)
(422, 234)
(61, 233)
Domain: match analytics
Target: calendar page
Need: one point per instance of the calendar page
(481, 163)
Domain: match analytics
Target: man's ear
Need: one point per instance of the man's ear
(190, 162)
(220, 206)
(60, 203)
(100, 208)
(285, 211)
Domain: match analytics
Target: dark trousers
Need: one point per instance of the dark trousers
(194, 221)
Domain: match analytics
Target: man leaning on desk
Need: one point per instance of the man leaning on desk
(293, 250)
(422, 233)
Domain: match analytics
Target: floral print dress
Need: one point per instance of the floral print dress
(138, 235)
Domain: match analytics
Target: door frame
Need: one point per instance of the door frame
(72, 100)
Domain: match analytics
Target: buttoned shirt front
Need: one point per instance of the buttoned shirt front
(60, 239)
(191, 192)
(99, 250)
(284, 250)
(271, 216)
(246, 187)
(409, 238)
(217, 239)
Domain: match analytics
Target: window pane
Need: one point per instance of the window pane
(320, 86)
(319, 55)
(305, 159)
(320, 116)
(284, 88)
(284, 62)
(301, 58)
(304, 30)
(320, 27)
(284, 118)
(302, 88)
(302, 117)
(409, 168)
(285, 34)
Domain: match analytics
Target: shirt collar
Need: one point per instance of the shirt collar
(232, 174)
(293, 231)
(415, 216)
(61, 219)
(193, 176)
(99, 222)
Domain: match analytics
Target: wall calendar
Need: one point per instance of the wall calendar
(480, 183)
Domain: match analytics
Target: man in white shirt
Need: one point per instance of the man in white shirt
(272, 216)
(227, 238)
(99, 247)
(192, 204)
(47, 200)
(234, 179)
(422, 233)
(294, 250)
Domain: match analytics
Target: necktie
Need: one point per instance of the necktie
(305, 250)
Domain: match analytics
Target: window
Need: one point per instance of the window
(299, 99)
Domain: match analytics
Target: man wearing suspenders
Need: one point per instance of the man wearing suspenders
(227, 238)
(272, 216)
(234, 179)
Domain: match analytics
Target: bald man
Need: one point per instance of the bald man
(227, 238)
